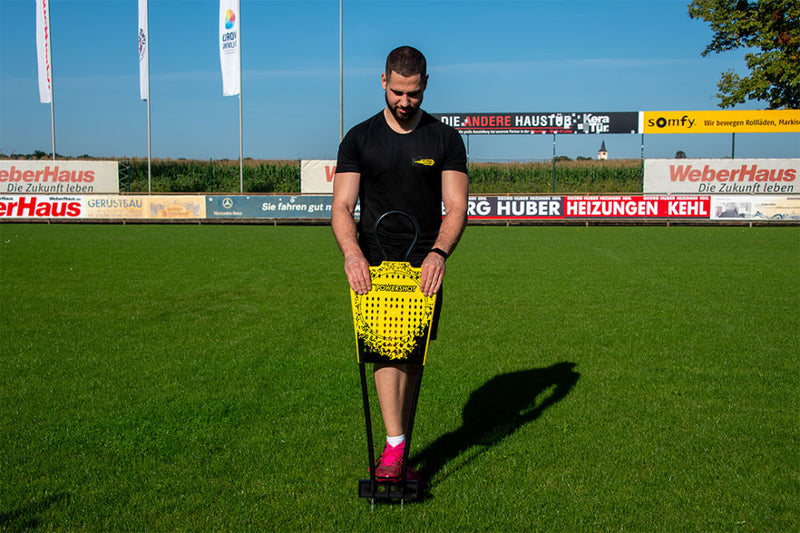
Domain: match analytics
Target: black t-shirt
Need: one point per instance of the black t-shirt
(400, 172)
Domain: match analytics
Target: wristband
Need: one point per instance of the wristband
(440, 252)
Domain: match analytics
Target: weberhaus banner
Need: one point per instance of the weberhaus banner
(721, 176)
(59, 177)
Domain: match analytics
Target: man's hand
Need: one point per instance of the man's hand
(430, 280)
(345, 197)
(357, 269)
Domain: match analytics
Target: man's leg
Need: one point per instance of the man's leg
(394, 385)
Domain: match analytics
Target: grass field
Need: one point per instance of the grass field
(203, 378)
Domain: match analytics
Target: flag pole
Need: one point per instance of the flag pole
(50, 62)
(147, 45)
(52, 119)
(241, 167)
(144, 74)
(149, 174)
(341, 76)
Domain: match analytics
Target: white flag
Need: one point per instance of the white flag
(144, 54)
(43, 54)
(230, 47)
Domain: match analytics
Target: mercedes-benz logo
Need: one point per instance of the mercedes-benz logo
(227, 203)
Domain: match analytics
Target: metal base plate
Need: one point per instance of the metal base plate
(411, 490)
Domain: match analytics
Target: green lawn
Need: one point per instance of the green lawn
(203, 378)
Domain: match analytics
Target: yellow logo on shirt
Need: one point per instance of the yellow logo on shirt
(425, 162)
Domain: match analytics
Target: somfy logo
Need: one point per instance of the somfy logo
(662, 122)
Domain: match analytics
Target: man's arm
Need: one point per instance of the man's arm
(455, 192)
(345, 197)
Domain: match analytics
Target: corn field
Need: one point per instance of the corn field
(585, 176)
(283, 176)
(198, 176)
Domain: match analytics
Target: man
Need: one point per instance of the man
(399, 159)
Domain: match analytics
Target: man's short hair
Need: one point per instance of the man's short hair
(406, 61)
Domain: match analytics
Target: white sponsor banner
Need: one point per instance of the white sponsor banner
(758, 207)
(230, 47)
(721, 176)
(144, 54)
(59, 177)
(316, 176)
(43, 54)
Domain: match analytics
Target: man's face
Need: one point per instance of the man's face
(403, 94)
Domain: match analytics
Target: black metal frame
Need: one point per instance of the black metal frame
(402, 489)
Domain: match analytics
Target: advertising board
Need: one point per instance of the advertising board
(570, 122)
(602, 207)
(316, 176)
(58, 177)
(765, 207)
(725, 208)
(102, 207)
(721, 176)
(41, 206)
(721, 121)
(272, 206)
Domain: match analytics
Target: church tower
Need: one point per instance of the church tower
(602, 153)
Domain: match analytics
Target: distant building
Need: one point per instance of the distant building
(602, 153)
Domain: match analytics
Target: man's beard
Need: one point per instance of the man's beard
(411, 112)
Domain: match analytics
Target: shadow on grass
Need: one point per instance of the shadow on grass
(29, 516)
(493, 412)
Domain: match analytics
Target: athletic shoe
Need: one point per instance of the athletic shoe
(390, 463)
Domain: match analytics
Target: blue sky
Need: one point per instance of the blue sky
(483, 56)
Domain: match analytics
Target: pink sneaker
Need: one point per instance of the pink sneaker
(390, 463)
